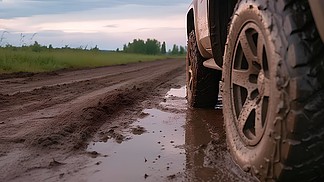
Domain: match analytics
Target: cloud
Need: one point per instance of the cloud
(26, 8)
(96, 22)
(143, 29)
(103, 19)
(111, 26)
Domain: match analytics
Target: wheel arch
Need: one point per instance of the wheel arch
(220, 13)
(193, 25)
(190, 21)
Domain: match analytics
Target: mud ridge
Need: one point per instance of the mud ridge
(78, 125)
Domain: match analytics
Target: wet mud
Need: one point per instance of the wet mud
(121, 123)
(168, 143)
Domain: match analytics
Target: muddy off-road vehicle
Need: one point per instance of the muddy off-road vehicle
(268, 57)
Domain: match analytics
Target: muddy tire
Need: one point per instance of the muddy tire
(273, 91)
(202, 83)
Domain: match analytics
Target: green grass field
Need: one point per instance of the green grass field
(50, 60)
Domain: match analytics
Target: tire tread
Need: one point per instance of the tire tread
(206, 80)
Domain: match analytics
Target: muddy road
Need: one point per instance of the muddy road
(118, 123)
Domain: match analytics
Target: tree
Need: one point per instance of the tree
(66, 47)
(36, 47)
(163, 48)
(95, 48)
(175, 50)
(153, 46)
(150, 46)
(139, 46)
(50, 47)
(125, 48)
(182, 50)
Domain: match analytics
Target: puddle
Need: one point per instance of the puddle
(155, 155)
(175, 100)
(171, 143)
(207, 157)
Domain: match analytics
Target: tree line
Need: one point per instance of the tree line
(36, 47)
(139, 46)
(152, 47)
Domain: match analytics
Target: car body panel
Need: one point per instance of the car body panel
(200, 9)
(201, 26)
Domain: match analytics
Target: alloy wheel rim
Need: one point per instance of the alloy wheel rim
(250, 83)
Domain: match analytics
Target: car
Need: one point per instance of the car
(266, 58)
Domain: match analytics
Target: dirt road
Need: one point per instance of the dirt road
(47, 120)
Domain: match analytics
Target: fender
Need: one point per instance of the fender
(197, 19)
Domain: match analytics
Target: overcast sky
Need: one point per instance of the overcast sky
(106, 23)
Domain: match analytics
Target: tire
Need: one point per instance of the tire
(202, 83)
(273, 91)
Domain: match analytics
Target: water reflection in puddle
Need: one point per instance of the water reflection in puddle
(177, 92)
(207, 158)
(156, 154)
(175, 101)
(179, 144)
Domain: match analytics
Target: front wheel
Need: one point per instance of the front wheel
(273, 91)
(202, 83)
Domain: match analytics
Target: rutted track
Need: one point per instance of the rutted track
(40, 91)
(47, 116)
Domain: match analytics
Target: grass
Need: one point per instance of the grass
(51, 60)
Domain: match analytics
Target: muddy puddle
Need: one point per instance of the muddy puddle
(168, 143)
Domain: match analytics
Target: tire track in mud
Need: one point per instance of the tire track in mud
(84, 118)
(49, 95)
(19, 82)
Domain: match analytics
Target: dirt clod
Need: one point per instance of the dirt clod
(171, 177)
(55, 163)
(93, 154)
(98, 163)
(138, 130)
(146, 176)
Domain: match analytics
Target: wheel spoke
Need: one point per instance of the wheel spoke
(247, 108)
(260, 49)
(248, 47)
(267, 87)
(242, 79)
(258, 120)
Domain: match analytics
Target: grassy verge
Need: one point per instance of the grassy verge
(50, 60)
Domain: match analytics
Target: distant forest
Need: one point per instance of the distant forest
(152, 47)
(138, 46)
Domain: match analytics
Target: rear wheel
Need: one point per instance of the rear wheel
(273, 93)
(202, 83)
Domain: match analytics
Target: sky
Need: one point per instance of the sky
(109, 24)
